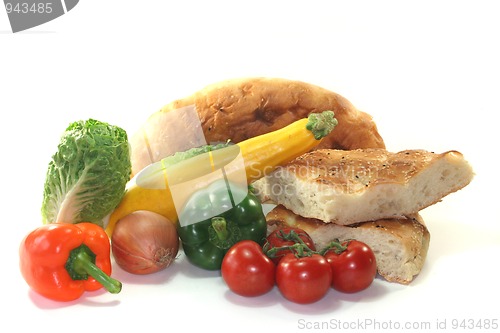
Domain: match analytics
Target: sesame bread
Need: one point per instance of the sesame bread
(400, 245)
(347, 187)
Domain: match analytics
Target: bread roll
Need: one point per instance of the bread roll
(347, 187)
(400, 245)
(239, 109)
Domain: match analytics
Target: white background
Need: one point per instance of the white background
(427, 71)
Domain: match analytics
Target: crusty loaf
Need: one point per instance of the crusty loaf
(400, 245)
(361, 185)
(239, 109)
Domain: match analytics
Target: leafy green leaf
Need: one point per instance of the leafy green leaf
(86, 177)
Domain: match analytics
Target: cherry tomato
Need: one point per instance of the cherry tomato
(303, 280)
(277, 239)
(246, 270)
(353, 269)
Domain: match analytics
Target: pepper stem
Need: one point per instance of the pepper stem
(81, 265)
(220, 227)
(321, 124)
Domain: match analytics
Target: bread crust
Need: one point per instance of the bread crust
(400, 245)
(242, 108)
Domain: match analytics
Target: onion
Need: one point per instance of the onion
(144, 242)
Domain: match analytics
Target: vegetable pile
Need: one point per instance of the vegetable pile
(221, 225)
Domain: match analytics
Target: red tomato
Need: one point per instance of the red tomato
(246, 270)
(303, 280)
(277, 239)
(354, 269)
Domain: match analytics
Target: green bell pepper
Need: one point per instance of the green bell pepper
(215, 218)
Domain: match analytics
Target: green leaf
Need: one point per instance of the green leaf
(86, 177)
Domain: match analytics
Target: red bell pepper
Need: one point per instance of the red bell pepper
(62, 261)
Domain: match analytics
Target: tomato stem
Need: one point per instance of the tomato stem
(299, 248)
(334, 245)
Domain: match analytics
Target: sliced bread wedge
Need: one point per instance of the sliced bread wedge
(346, 187)
(400, 245)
